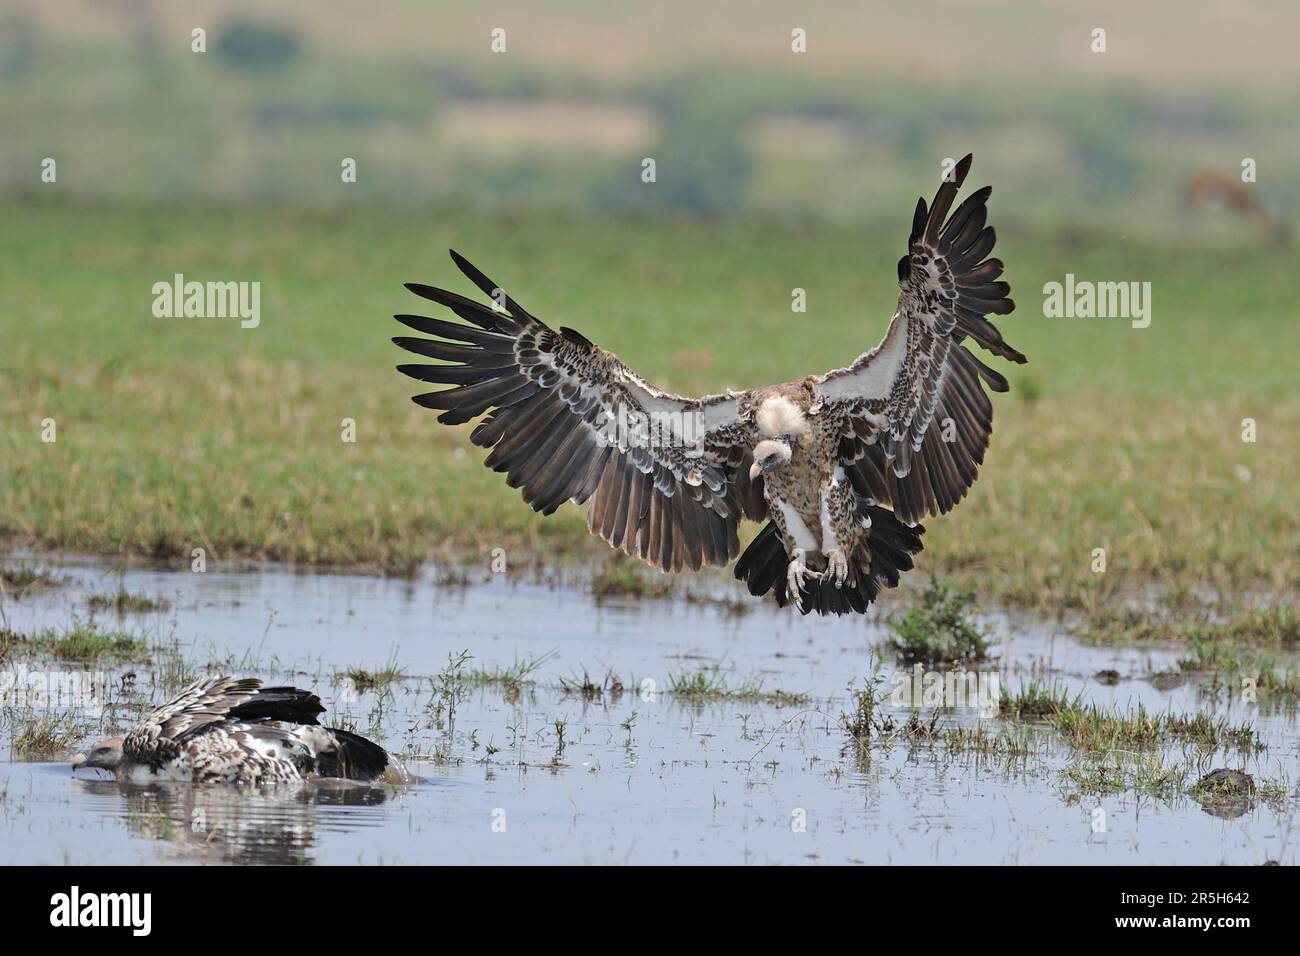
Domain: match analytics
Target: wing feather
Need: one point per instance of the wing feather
(921, 419)
(663, 486)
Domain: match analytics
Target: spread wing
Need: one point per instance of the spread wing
(920, 417)
(214, 700)
(667, 476)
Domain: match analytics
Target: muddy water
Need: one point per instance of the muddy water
(637, 776)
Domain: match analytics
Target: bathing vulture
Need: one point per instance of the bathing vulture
(842, 466)
(237, 731)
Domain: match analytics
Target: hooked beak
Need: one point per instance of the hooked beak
(754, 471)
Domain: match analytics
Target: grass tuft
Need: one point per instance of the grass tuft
(622, 577)
(45, 736)
(125, 602)
(19, 579)
(83, 641)
(937, 628)
(708, 684)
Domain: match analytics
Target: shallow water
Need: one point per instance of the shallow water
(717, 782)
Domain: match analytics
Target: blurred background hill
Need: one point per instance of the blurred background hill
(736, 122)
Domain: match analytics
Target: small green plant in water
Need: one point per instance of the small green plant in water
(124, 602)
(622, 577)
(938, 629)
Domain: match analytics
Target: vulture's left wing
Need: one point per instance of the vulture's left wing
(667, 476)
(921, 419)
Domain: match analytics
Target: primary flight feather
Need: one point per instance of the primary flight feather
(843, 466)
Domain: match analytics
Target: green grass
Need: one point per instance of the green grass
(1206, 629)
(44, 735)
(1089, 728)
(937, 628)
(182, 434)
(82, 641)
(378, 679)
(708, 683)
(20, 578)
(123, 601)
(517, 672)
(1036, 701)
(621, 576)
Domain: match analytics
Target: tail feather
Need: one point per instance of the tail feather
(289, 704)
(888, 552)
(353, 758)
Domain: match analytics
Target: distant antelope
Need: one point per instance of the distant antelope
(1213, 188)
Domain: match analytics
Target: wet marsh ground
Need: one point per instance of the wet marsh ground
(545, 725)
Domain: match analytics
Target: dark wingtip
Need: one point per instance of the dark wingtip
(960, 172)
(423, 291)
(471, 272)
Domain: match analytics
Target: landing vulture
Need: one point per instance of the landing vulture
(842, 466)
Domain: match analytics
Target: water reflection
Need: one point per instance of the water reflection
(271, 826)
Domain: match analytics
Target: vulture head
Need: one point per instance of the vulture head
(780, 422)
(105, 755)
(771, 453)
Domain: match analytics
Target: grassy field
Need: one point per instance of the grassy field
(182, 433)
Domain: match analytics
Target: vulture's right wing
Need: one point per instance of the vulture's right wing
(667, 476)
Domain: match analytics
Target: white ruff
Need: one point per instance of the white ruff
(780, 416)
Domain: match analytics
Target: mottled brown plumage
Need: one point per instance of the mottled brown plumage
(236, 731)
(843, 465)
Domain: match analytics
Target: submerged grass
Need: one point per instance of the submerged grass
(1243, 671)
(620, 576)
(123, 601)
(1087, 727)
(517, 672)
(377, 679)
(1149, 773)
(588, 689)
(709, 684)
(45, 735)
(18, 579)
